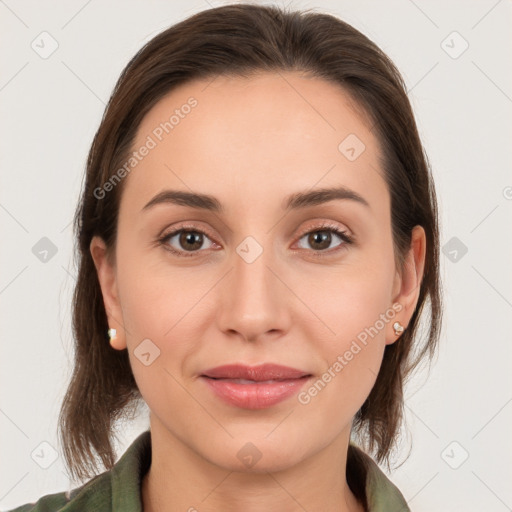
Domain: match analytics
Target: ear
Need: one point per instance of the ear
(108, 283)
(407, 284)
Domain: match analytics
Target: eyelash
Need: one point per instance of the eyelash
(347, 239)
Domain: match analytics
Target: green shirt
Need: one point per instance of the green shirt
(119, 489)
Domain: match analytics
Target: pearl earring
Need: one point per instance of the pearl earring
(399, 328)
(112, 333)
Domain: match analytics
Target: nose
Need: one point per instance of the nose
(254, 301)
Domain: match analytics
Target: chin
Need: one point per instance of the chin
(256, 454)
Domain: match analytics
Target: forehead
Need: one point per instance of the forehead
(266, 135)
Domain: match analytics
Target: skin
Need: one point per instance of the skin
(251, 142)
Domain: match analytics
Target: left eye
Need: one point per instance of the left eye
(322, 238)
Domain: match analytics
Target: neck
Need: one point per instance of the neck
(180, 479)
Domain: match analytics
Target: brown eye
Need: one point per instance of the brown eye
(190, 240)
(183, 241)
(321, 239)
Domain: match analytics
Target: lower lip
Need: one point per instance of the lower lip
(257, 395)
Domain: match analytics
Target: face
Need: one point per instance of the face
(266, 277)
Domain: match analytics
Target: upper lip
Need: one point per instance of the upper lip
(266, 371)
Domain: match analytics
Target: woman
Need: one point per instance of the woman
(258, 236)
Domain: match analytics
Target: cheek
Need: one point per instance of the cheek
(169, 306)
(158, 312)
(351, 299)
(355, 312)
(154, 294)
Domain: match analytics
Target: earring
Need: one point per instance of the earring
(399, 328)
(112, 333)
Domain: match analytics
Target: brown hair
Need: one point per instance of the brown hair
(239, 40)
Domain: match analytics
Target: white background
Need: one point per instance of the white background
(49, 111)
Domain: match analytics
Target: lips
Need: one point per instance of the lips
(256, 387)
(261, 373)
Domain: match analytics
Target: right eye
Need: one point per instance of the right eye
(185, 240)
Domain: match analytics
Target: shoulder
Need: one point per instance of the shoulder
(116, 489)
(94, 495)
(382, 495)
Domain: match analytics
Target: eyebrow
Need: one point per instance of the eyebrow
(322, 195)
(295, 201)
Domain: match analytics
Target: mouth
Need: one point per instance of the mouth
(254, 387)
(267, 372)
